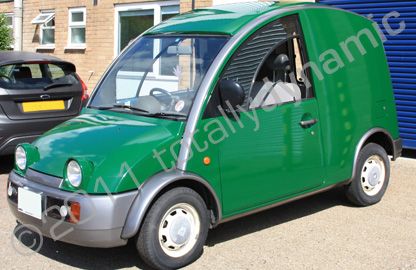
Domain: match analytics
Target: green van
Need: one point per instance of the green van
(210, 116)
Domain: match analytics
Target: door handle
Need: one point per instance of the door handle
(308, 123)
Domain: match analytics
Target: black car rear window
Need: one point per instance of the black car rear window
(36, 75)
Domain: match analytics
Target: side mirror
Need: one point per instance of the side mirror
(232, 93)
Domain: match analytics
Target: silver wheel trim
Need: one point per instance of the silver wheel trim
(179, 230)
(373, 175)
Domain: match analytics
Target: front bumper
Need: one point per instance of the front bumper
(101, 221)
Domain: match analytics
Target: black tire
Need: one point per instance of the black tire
(359, 190)
(148, 244)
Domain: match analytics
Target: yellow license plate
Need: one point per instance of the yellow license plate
(40, 106)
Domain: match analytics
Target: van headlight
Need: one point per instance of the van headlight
(74, 173)
(20, 158)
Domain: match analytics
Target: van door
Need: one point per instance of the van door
(275, 148)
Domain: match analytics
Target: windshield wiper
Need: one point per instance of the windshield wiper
(158, 114)
(163, 114)
(122, 106)
(55, 85)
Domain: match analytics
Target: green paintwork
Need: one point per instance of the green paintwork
(113, 142)
(351, 100)
(253, 166)
(222, 19)
(263, 155)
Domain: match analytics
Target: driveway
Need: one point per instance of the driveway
(319, 232)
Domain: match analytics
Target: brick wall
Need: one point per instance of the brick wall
(186, 5)
(6, 7)
(99, 52)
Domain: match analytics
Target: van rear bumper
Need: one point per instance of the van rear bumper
(397, 148)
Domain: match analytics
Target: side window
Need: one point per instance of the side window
(269, 61)
(281, 78)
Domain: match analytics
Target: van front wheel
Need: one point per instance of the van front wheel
(174, 231)
(371, 177)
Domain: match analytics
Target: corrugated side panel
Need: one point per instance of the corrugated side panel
(401, 55)
(243, 67)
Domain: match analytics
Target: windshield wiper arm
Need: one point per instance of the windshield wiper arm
(163, 114)
(122, 106)
(158, 114)
(55, 85)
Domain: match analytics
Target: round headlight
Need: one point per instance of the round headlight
(73, 173)
(20, 158)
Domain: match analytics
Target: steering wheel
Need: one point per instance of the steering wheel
(5, 78)
(163, 91)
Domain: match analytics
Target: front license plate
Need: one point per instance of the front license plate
(40, 106)
(29, 203)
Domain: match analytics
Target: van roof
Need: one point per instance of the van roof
(222, 19)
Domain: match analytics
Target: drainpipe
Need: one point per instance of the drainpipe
(18, 25)
(193, 4)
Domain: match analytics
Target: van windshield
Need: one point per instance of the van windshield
(158, 76)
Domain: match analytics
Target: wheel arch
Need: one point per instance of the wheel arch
(379, 136)
(158, 184)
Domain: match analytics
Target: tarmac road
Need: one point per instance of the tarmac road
(319, 232)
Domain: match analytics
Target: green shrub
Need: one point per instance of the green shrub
(5, 34)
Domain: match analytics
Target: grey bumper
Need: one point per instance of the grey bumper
(102, 216)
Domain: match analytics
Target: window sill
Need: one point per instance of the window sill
(75, 47)
(45, 47)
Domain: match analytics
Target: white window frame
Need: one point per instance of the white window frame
(43, 27)
(72, 25)
(11, 15)
(48, 15)
(156, 6)
(157, 9)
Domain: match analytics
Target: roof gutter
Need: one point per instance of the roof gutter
(18, 25)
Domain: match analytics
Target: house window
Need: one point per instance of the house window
(76, 27)
(46, 21)
(169, 12)
(9, 21)
(133, 19)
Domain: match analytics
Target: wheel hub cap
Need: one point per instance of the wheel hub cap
(373, 175)
(180, 230)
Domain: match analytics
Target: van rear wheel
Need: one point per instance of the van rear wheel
(371, 177)
(174, 231)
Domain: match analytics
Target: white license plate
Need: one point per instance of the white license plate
(29, 203)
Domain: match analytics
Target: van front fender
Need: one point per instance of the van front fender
(150, 189)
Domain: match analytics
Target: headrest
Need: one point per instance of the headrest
(22, 73)
(280, 63)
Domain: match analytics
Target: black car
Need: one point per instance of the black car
(37, 92)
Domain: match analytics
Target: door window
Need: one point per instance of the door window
(268, 66)
(281, 78)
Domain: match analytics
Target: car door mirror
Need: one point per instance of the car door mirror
(232, 94)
